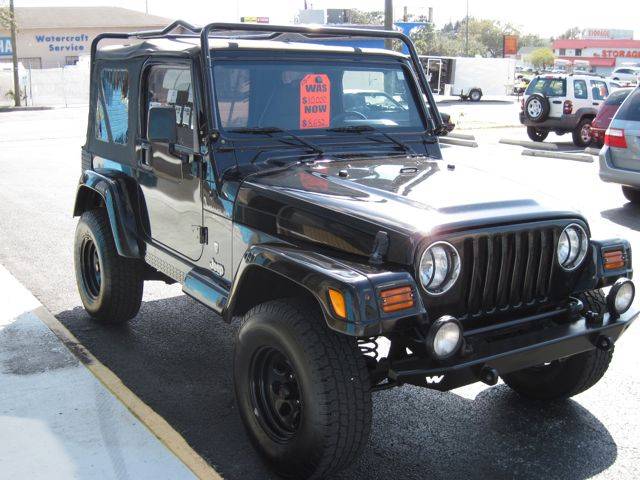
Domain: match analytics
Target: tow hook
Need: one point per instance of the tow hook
(489, 375)
(604, 343)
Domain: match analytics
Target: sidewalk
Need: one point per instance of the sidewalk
(57, 420)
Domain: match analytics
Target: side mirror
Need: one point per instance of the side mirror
(161, 125)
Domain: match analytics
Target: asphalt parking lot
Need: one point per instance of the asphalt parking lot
(176, 355)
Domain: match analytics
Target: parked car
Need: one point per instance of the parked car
(606, 112)
(626, 74)
(565, 103)
(620, 156)
(224, 159)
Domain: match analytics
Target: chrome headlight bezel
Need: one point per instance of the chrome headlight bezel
(438, 255)
(572, 247)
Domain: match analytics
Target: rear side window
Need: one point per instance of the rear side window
(630, 109)
(580, 89)
(599, 89)
(616, 98)
(112, 108)
(551, 87)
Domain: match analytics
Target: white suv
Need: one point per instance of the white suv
(563, 103)
(626, 74)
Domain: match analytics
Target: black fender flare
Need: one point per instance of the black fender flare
(112, 190)
(316, 273)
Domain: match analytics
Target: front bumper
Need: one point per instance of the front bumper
(505, 350)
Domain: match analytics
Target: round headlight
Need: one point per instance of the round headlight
(621, 296)
(572, 246)
(445, 337)
(439, 268)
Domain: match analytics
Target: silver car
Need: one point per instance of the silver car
(620, 156)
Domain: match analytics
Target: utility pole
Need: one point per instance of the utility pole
(466, 25)
(388, 22)
(14, 55)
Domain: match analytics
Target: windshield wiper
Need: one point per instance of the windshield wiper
(371, 128)
(269, 130)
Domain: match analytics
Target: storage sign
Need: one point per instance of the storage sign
(5, 46)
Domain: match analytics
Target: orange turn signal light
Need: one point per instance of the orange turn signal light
(614, 259)
(395, 299)
(338, 303)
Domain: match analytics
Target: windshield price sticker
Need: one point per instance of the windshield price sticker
(315, 101)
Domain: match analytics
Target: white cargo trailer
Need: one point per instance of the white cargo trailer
(470, 77)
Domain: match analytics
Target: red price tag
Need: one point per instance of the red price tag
(315, 101)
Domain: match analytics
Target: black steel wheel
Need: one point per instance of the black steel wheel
(303, 390)
(275, 393)
(90, 268)
(110, 286)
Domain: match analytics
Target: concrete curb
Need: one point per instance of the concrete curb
(23, 109)
(458, 142)
(528, 144)
(560, 155)
(170, 449)
(461, 136)
(592, 151)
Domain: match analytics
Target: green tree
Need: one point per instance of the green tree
(5, 17)
(533, 40)
(366, 18)
(571, 33)
(541, 58)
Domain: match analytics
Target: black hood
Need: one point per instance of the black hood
(334, 202)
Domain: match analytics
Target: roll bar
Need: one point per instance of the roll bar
(272, 32)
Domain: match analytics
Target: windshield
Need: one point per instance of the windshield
(307, 96)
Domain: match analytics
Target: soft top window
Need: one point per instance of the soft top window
(112, 107)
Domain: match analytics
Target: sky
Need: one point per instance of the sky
(544, 17)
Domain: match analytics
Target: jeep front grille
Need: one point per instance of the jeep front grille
(508, 270)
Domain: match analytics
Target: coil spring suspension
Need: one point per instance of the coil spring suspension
(368, 346)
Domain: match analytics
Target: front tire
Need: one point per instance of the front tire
(537, 134)
(475, 95)
(303, 390)
(110, 286)
(567, 377)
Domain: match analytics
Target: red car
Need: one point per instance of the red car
(606, 112)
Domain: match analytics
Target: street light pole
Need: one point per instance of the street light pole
(14, 55)
(388, 22)
(466, 25)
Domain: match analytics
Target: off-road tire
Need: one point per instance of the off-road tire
(117, 296)
(568, 377)
(631, 194)
(576, 134)
(332, 384)
(475, 95)
(537, 134)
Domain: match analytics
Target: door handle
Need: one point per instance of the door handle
(557, 102)
(596, 103)
(144, 144)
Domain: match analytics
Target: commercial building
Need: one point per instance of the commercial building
(56, 36)
(603, 49)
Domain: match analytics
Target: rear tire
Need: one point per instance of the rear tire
(110, 286)
(303, 390)
(537, 134)
(567, 377)
(631, 194)
(475, 95)
(581, 136)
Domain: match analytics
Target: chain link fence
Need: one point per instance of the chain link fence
(49, 87)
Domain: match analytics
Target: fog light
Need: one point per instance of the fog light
(445, 337)
(621, 296)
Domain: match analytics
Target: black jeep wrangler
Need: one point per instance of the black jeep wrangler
(231, 159)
